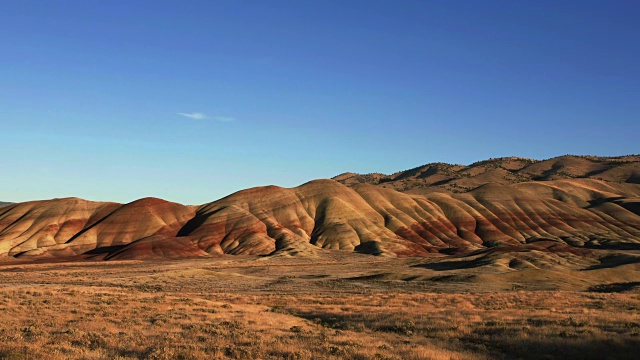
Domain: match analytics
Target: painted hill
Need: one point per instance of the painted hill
(72, 226)
(580, 214)
(508, 170)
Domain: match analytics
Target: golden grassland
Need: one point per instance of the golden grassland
(257, 308)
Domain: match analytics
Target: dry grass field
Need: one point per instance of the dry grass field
(340, 306)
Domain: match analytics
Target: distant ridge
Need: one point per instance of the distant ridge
(2, 203)
(506, 170)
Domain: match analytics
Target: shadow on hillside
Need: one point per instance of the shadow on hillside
(597, 202)
(569, 345)
(196, 222)
(614, 261)
(105, 250)
(451, 265)
(615, 287)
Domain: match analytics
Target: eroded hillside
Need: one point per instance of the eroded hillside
(325, 214)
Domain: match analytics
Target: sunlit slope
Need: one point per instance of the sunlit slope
(581, 213)
(71, 226)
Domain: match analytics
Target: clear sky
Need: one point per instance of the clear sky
(193, 100)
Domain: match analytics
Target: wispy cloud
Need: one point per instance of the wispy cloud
(223, 118)
(201, 116)
(196, 115)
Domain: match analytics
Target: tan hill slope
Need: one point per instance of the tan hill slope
(509, 170)
(324, 214)
(71, 226)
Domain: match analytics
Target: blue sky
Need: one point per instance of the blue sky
(282, 92)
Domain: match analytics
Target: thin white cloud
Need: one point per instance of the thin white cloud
(223, 118)
(201, 116)
(196, 115)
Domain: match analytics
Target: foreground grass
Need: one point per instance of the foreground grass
(156, 312)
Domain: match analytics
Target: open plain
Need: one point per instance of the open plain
(336, 306)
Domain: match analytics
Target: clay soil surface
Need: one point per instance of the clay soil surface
(336, 306)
